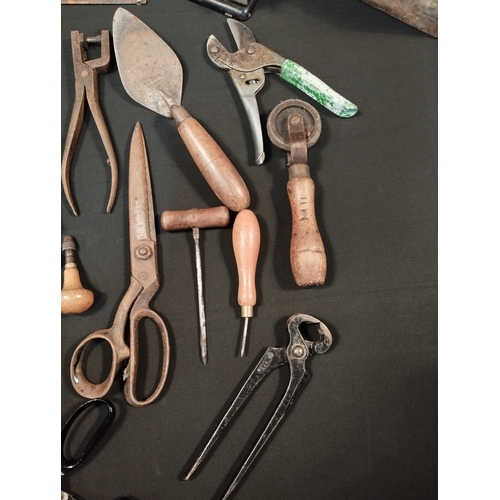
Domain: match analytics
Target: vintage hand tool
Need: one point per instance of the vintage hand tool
(196, 218)
(86, 87)
(107, 2)
(239, 9)
(68, 464)
(246, 245)
(152, 75)
(295, 355)
(247, 67)
(144, 283)
(81, 418)
(295, 125)
(421, 14)
(74, 298)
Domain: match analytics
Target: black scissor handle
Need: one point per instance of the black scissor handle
(71, 463)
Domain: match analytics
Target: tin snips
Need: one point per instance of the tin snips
(86, 88)
(295, 356)
(247, 67)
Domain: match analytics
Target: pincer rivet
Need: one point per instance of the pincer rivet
(251, 49)
(214, 49)
(143, 252)
(298, 351)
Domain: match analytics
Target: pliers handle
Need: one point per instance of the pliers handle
(86, 88)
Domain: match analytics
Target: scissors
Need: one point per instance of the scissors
(144, 283)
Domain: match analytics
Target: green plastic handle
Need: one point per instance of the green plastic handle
(312, 86)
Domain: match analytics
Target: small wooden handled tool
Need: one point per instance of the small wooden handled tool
(294, 125)
(74, 298)
(246, 246)
(196, 218)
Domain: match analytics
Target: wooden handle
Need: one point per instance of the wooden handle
(74, 298)
(307, 252)
(246, 245)
(213, 163)
(174, 220)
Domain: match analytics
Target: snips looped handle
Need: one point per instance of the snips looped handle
(68, 464)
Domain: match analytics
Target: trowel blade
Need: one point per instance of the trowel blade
(148, 67)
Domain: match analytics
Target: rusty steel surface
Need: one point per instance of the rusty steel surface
(421, 14)
(86, 89)
(102, 2)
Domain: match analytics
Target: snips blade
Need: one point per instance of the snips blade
(241, 33)
(143, 256)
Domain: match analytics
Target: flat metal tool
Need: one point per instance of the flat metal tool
(102, 2)
(86, 72)
(294, 125)
(152, 75)
(247, 67)
(196, 218)
(295, 356)
(134, 306)
(238, 9)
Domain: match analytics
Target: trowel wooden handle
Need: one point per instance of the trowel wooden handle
(213, 163)
(246, 245)
(174, 220)
(307, 252)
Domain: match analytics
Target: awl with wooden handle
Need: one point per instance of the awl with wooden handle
(294, 125)
(195, 219)
(246, 246)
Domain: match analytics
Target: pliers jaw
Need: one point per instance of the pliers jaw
(86, 88)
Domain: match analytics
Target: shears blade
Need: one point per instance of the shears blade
(142, 233)
(140, 196)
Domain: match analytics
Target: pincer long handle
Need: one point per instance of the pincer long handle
(307, 252)
(212, 162)
(136, 315)
(317, 89)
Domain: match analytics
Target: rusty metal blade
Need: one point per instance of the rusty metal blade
(147, 65)
(421, 14)
(102, 2)
(140, 195)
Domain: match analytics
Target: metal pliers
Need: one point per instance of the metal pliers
(86, 87)
(247, 67)
(295, 356)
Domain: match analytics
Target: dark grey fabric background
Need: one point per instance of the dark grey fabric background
(365, 427)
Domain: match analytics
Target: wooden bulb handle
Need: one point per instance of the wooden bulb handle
(246, 245)
(174, 220)
(307, 252)
(212, 162)
(74, 298)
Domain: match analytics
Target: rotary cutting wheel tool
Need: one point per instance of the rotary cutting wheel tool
(294, 125)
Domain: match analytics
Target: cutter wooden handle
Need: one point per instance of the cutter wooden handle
(307, 252)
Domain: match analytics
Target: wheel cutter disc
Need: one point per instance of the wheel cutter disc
(277, 122)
